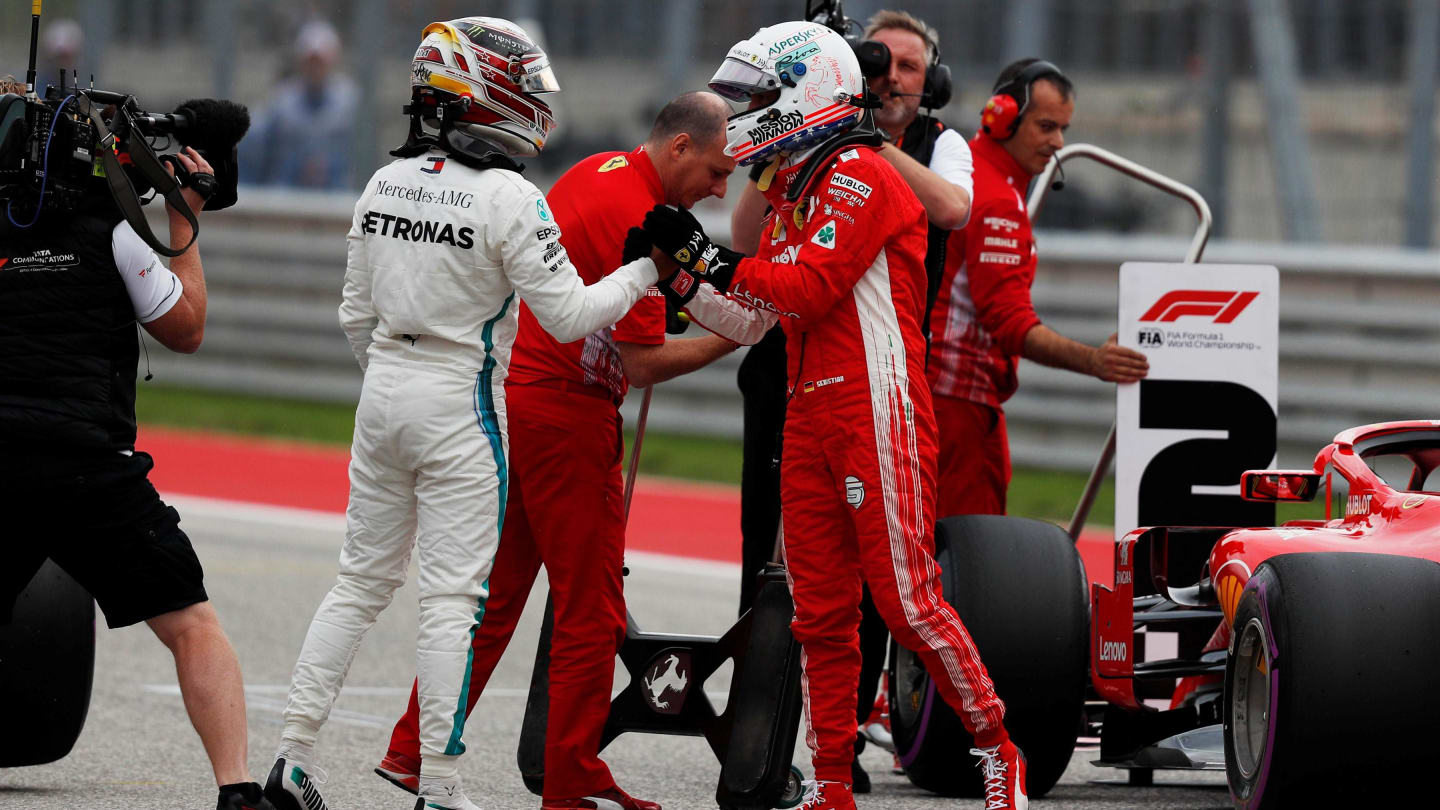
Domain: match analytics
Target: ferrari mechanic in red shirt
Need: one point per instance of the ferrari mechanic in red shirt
(841, 266)
(565, 503)
(983, 321)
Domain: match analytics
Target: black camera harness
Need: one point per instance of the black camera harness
(145, 162)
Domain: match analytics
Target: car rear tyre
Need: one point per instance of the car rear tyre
(47, 663)
(1019, 586)
(1330, 682)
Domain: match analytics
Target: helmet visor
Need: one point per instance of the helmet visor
(536, 76)
(737, 80)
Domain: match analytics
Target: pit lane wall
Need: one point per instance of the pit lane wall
(1358, 329)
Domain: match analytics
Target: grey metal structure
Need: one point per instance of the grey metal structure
(1423, 65)
(1284, 119)
(1192, 255)
(1358, 328)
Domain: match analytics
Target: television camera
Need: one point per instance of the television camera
(57, 148)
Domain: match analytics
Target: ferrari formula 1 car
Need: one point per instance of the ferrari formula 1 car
(1323, 634)
(1307, 656)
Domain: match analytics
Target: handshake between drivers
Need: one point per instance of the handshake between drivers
(682, 252)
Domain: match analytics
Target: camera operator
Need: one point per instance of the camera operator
(72, 485)
(935, 163)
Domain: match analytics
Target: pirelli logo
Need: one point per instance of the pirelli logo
(991, 257)
(1223, 306)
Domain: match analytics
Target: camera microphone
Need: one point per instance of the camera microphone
(210, 125)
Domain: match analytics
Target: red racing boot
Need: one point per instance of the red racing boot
(400, 771)
(612, 798)
(827, 796)
(1003, 767)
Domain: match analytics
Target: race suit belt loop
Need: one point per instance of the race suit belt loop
(572, 387)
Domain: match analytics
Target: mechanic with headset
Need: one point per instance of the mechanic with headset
(841, 266)
(982, 320)
(75, 279)
(442, 241)
(565, 506)
(901, 56)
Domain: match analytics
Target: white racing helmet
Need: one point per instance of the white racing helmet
(500, 70)
(817, 75)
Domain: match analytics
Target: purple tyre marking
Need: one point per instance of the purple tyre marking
(909, 756)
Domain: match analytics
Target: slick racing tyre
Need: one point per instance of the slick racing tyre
(1020, 588)
(1331, 653)
(47, 662)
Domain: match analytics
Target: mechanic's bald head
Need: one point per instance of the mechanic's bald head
(687, 146)
(700, 114)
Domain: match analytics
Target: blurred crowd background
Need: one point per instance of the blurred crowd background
(1309, 126)
(1308, 120)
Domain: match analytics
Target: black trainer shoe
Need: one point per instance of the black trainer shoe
(292, 787)
(243, 796)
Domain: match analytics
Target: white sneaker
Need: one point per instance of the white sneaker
(443, 794)
(292, 786)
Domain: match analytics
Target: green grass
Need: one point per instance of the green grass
(168, 406)
(1041, 494)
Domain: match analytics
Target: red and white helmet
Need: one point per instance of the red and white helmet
(815, 71)
(499, 68)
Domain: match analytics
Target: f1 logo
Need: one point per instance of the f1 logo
(438, 163)
(1225, 305)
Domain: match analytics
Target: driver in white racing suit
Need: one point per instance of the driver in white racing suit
(442, 241)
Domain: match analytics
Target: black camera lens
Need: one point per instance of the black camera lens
(874, 58)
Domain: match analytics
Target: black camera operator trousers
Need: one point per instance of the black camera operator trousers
(97, 516)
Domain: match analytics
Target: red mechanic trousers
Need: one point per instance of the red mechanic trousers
(565, 509)
(974, 458)
(858, 501)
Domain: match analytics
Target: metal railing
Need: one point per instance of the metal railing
(1358, 330)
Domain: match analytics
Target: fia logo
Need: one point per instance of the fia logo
(437, 164)
(854, 491)
(669, 672)
(1150, 338)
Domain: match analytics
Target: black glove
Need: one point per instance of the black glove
(676, 321)
(637, 246)
(679, 234)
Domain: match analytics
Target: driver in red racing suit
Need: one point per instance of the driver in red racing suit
(842, 268)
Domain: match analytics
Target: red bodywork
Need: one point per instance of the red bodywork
(1377, 518)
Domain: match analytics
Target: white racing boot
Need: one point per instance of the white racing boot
(443, 794)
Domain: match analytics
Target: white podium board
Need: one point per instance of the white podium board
(1206, 412)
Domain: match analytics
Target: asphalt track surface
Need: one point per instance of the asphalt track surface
(266, 570)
